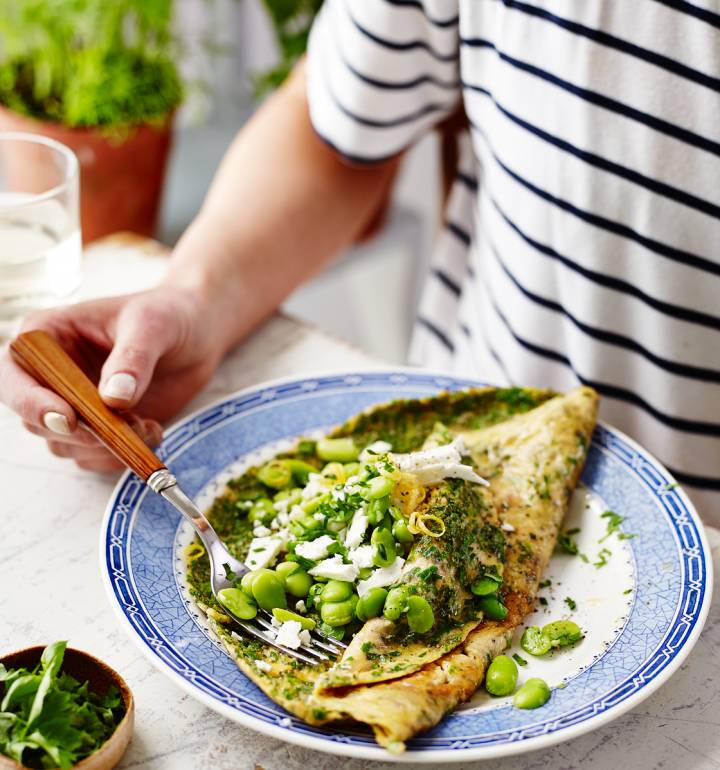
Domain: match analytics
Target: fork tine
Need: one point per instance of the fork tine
(260, 635)
(307, 648)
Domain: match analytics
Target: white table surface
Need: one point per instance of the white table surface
(50, 588)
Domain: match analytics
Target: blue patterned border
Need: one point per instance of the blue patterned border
(616, 466)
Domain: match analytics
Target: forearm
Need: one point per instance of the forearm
(281, 205)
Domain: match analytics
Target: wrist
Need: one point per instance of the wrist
(207, 268)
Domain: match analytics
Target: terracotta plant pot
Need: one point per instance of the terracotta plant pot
(121, 179)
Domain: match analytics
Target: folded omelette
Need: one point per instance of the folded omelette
(495, 516)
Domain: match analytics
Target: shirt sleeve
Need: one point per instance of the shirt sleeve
(381, 73)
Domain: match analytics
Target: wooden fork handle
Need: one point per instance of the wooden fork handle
(41, 356)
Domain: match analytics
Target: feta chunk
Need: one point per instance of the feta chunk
(385, 576)
(288, 634)
(316, 485)
(261, 531)
(263, 551)
(300, 606)
(356, 532)
(334, 569)
(263, 665)
(442, 462)
(507, 527)
(305, 637)
(376, 448)
(315, 549)
(362, 556)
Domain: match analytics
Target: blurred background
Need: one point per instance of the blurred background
(149, 93)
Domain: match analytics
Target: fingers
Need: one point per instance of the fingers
(145, 332)
(89, 454)
(35, 404)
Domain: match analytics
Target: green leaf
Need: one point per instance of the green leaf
(51, 661)
(23, 687)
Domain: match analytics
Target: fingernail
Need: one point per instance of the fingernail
(121, 386)
(57, 423)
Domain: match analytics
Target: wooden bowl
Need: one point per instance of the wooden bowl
(85, 668)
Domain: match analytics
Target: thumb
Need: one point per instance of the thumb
(144, 333)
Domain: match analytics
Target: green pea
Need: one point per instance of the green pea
(485, 586)
(501, 676)
(342, 450)
(379, 487)
(300, 470)
(562, 633)
(396, 602)
(533, 694)
(248, 579)
(334, 632)
(310, 506)
(298, 584)
(268, 590)
(262, 511)
(275, 474)
(534, 641)
(376, 509)
(286, 568)
(401, 532)
(419, 615)
(238, 603)
(338, 613)
(384, 550)
(336, 591)
(492, 608)
(283, 615)
(371, 605)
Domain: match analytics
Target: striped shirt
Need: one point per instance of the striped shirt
(582, 234)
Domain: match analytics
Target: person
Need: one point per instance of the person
(580, 237)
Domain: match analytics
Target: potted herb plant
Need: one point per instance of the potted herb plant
(100, 77)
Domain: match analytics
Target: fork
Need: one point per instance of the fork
(41, 356)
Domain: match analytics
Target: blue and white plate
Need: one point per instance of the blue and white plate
(641, 595)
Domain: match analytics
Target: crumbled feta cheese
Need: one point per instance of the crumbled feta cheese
(296, 512)
(507, 527)
(282, 518)
(337, 494)
(288, 634)
(282, 505)
(263, 665)
(275, 524)
(315, 549)
(300, 606)
(263, 551)
(261, 531)
(305, 636)
(356, 532)
(275, 622)
(334, 569)
(376, 448)
(362, 556)
(442, 462)
(385, 576)
(316, 485)
(286, 722)
(318, 516)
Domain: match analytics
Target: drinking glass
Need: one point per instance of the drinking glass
(40, 242)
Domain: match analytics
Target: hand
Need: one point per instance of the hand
(150, 353)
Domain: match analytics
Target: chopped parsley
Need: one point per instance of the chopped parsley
(602, 558)
(571, 603)
(567, 543)
(614, 520)
(545, 583)
(520, 661)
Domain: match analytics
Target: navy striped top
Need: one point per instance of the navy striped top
(582, 234)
